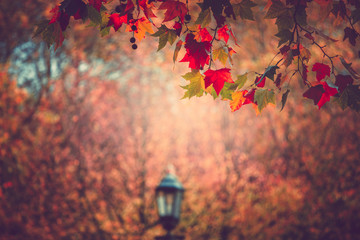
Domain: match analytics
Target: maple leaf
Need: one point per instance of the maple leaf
(56, 14)
(196, 86)
(197, 53)
(165, 35)
(221, 54)
(322, 70)
(241, 98)
(223, 33)
(258, 83)
(203, 35)
(116, 20)
(177, 50)
(204, 18)
(143, 25)
(350, 34)
(243, 9)
(342, 81)
(217, 78)
(177, 26)
(97, 4)
(173, 9)
(147, 9)
(321, 93)
(263, 97)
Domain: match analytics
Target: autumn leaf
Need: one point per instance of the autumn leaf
(177, 50)
(203, 35)
(173, 9)
(322, 70)
(97, 3)
(223, 33)
(350, 34)
(321, 93)
(196, 86)
(275, 10)
(197, 53)
(204, 18)
(342, 81)
(243, 9)
(143, 26)
(259, 83)
(116, 20)
(217, 78)
(263, 97)
(165, 35)
(221, 54)
(241, 98)
(284, 99)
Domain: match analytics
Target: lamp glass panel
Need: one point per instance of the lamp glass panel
(169, 203)
(161, 204)
(177, 204)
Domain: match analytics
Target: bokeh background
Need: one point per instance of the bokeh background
(88, 131)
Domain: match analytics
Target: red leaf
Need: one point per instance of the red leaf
(56, 14)
(116, 20)
(97, 3)
(217, 78)
(262, 83)
(177, 26)
(173, 9)
(197, 53)
(223, 33)
(249, 96)
(241, 98)
(308, 36)
(342, 81)
(322, 70)
(204, 35)
(320, 93)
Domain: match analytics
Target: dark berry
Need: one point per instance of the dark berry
(133, 27)
(132, 40)
(187, 17)
(134, 46)
(118, 9)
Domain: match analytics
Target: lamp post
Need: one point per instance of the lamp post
(169, 195)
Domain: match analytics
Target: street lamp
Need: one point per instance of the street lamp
(169, 194)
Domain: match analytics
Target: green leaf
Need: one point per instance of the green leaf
(285, 21)
(263, 97)
(270, 72)
(177, 50)
(301, 15)
(41, 27)
(355, 15)
(165, 35)
(220, 54)
(276, 9)
(284, 98)
(240, 81)
(94, 15)
(350, 97)
(284, 35)
(47, 35)
(196, 85)
(105, 31)
(226, 91)
(243, 9)
(204, 18)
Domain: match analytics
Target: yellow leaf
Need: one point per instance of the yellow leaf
(220, 54)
